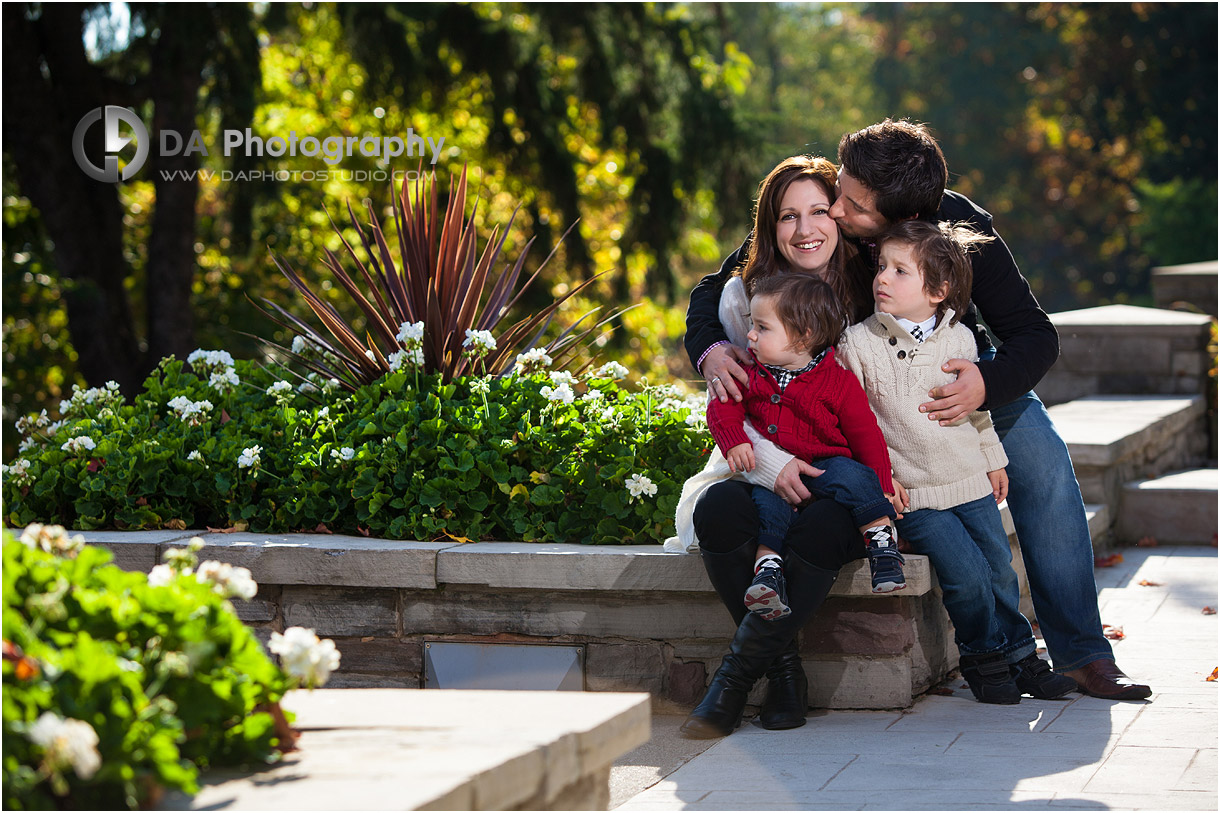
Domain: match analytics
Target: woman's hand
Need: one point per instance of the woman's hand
(722, 365)
(741, 457)
(788, 484)
(999, 484)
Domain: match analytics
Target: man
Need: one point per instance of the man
(893, 171)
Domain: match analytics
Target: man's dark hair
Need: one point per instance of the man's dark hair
(901, 163)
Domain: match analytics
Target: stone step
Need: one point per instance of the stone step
(1114, 439)
(1117, 349)
(1193, 284)
(1177, 509)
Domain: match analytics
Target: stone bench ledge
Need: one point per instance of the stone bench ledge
(346, 561)
(412, 749)
(1128, 319)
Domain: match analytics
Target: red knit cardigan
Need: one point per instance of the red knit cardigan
(821, 413)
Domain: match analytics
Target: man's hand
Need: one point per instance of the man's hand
(999, 484)
(788, 484)
(741, 457)
(953, 402)
(899, 499)
(722, 365)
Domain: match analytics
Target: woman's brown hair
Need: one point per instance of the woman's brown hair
(846, 273)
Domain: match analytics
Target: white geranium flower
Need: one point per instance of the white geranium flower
(697, 417)
(612, 369)
(191, 412)
(160, 576)
(103, 397)
(224, 381)
(281, 391)
(206, 361)
(480, 342)
(304, 656)
(67, 742)
(27, 444)
(639, 485)
(413, 357)
(249, 458)
(52, 539)
(227, 580)
(533, 361)
(409, 334)
(78, 444)
(299, 345)
(563, 393)
(480, 386)
(343, 455)
(307, 387)
(562, 377)
(19, 472)
(195, 455)
(330, 385)
(593, 396)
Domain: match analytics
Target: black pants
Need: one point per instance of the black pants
(823, 534)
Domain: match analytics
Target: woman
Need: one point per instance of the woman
(793, 233)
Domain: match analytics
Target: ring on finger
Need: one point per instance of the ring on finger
(716, 380)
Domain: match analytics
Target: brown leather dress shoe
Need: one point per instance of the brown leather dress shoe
(1104, 679)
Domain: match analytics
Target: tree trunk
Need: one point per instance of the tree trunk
(48, 86)
(175, 80)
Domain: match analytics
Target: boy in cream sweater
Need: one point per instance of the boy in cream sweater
(949, 480)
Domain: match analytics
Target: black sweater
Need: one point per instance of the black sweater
(1029, 344)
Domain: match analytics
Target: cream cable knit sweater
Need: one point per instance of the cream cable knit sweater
(940, 466)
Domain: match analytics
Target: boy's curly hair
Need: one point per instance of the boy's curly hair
(941, 251)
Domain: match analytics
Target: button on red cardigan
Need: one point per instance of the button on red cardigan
(821, 413)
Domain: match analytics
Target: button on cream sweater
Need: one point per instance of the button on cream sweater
(940, 466)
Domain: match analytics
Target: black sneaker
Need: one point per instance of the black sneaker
(1034, 677)
(884, 560)
(989, 678)
(768, 596)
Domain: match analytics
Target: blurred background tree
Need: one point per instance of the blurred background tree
(1087, 129)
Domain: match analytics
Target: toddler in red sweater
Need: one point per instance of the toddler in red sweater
(799, 398)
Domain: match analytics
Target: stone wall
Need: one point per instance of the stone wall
(646, 620)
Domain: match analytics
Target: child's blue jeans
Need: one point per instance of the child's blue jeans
(969, 549)
(848, 482)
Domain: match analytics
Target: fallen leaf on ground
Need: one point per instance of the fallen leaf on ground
(460, 539)
(1146, 583)
(1212, 676)
(322, 529)
(1113, 633)
(1147, 542)
(1209, 610)
(1102, 560)
(176, 524)
(221, 530)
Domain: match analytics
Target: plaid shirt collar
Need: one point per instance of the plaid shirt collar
(784, 377)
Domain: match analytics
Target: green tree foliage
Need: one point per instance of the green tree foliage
(1102, 112)
(1087, 129)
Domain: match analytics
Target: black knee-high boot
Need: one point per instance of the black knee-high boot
(787, 698)
(754, 648)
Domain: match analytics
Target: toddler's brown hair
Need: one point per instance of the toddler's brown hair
(808, 308)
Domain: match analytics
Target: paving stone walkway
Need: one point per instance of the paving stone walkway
(951, 753)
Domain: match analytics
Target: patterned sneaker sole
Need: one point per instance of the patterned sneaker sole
(889, 587)
(764, 601)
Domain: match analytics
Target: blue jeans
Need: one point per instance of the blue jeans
(1048, 513)
(848, 482)
(969, 549)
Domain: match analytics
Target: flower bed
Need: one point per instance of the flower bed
(118, 686)
(529, 455)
